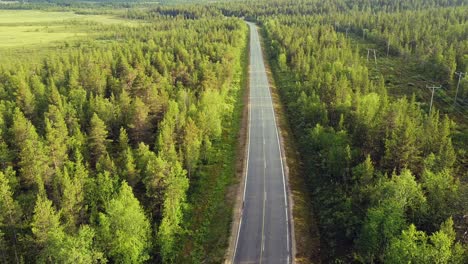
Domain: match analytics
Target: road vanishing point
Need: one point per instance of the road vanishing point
(264, 230)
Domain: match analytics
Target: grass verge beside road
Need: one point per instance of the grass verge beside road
(208, 220)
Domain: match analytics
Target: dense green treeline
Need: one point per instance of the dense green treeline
(383, 171)
(248, 8)
(436, 36)
(101, 143)
(439, 45)
(180, 11)
(99, 6)
(259, 9)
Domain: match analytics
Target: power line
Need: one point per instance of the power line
(449, 109)
(460, 75)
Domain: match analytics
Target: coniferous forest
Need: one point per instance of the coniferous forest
(120, 127)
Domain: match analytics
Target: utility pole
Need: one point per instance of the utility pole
(389, 40)
(432, 97)
(460, 76)
(388, 46)
(375, 56)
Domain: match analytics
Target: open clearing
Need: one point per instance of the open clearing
(26, 35)
(25, 17)
(19, 28)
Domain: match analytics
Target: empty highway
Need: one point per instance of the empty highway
(264, 231)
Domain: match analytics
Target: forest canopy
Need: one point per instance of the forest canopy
(119, 144)
(100, 141)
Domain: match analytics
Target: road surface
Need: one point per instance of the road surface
(263, 235)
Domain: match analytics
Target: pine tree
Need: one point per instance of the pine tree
(125, 231)
(128, 169)
(123, 140)
(139, 125)
(191, 146)
(56, 137)
(130, 172)
(32, 156)
(415, 246)
(442, 192)
(72, 202)
(47, 230)
(382, 223)
(24, 97)
(5, 153)
(80, 249)
(10, 213)
(97, 138)
(364, 172)
(125, 108)
(54, 96)
(401, 149)
(174, 203)
(153, 170)
(446, 154)
(99, 192)
(168, 127)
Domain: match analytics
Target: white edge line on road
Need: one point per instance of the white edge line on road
(282, 172)
(264, 184)
(247, 163)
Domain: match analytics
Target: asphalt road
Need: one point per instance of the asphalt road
(263, 235)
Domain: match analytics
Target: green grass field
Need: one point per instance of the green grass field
(23, 28)
(30, 35)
